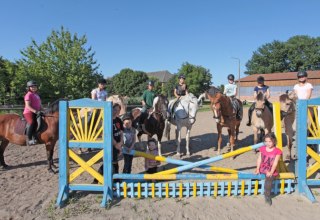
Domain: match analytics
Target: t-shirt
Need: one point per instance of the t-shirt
(230, 89)
(267, 159)
(35, 101)
(149, 163)
(101, 95)
(301, 91)
(147, 97)
(117, 128)
(128, 136)
(181, 89)
(262, 89)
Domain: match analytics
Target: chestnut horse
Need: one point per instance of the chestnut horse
(288, 112)
(48, 134)
(225, 115)
(155, 121)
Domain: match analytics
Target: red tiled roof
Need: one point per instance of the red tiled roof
(280, 76)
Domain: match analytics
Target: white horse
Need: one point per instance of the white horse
(185, 110)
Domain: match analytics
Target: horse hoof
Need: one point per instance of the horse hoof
(178, 154)
(188, 154)
(4, 167)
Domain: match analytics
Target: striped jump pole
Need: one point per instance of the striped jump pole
(176, 162)
(211, 160)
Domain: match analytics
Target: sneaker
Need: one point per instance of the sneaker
(268, 200)
(32, 142)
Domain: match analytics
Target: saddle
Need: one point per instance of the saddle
(236, 108)
(21, 126)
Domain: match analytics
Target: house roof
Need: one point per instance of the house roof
(163, 75)
(280, 76)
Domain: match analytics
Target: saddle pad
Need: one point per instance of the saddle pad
(20, 127)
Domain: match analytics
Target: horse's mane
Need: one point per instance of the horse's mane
(260, 96)
(213, 91)
(54, 106)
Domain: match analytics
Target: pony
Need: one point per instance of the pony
(226, 115)
(48, 133)
(154, 120)
(185, 111)
(262, 119)
(122, 101)
(288, 112)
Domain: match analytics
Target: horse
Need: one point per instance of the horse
(154, 121)
(262, 119)
(122, 101)
(10, 124)
(185, 111)
(288, 112)
(226, 115)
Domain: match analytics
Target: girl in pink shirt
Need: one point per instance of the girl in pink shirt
(267, 163)
(31, 110)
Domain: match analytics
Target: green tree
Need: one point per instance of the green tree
(198, 78)
(298, 53)
(7, 74)
(63, 66)
(129, 83)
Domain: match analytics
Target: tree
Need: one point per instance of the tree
(129, 83)
(62, 65)
(298, 53)
(198, 78)
(7, 74)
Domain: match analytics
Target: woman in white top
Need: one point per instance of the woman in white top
(303, 89)
(100, 93)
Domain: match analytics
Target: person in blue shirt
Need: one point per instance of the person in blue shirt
(261, 87)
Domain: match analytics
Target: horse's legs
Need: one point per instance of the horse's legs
(219, 128)
(50, 151)
(289, 134)
(231, 138)
(188, 141)
(178, 139)
(255, 135)
(4, 144)
(237, 131)
(159, 144)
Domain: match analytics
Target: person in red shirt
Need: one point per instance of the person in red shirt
(267, 163)
(32, 111)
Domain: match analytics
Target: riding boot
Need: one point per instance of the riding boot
(250, 113)
(29, 132)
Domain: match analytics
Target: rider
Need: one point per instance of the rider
(303, 89)
(230, 90)
(147, 103)
(180, 90)
(31, 111)
(261, 87)
(100, 93)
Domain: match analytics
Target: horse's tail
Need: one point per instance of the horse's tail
(167, 128)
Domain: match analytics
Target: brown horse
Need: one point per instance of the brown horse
(288, 112)
(122, 101)
(225, 115)
(155, 121)
(48, 134)
(262, 119)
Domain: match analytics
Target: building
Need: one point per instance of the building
(163, 76)
(279, 83)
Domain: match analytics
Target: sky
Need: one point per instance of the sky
(150, 35)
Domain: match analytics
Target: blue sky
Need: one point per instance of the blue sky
(152, 35)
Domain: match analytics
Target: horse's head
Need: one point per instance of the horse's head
(260, 104)
(160, 106)
(190, 104)
(122, 101)
(287, 103)
(215, 96)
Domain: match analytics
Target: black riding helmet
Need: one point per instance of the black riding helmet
(31, 83)
(260, 79)
(150, 83)
(231, 77)
(182, 76)
(102, 81)
(302, 74)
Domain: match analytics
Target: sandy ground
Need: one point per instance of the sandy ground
(28, 191)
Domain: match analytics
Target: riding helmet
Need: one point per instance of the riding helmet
(302, 74)
(102, 81)
(260, 79)
(31, 83)
(182, 76)
(127, 117)
(231, 77)
(150, 83)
